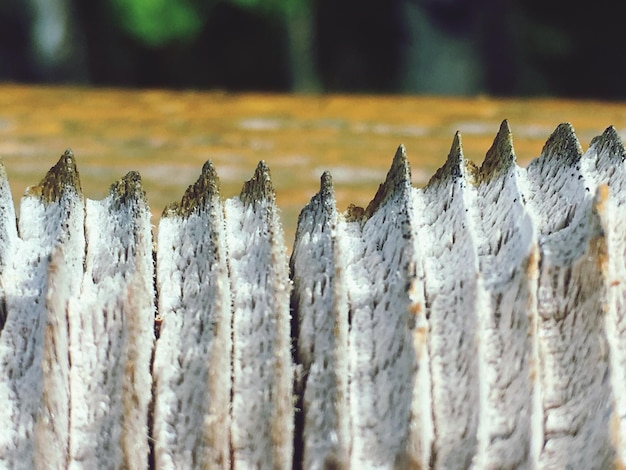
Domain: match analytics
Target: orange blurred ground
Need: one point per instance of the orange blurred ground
(167, 136)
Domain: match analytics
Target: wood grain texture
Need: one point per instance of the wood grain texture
(320, 300)
(603, 165)
(113, 338)
(379, 263)
(34, 345)
(262, 368)
(453, 295)
(508, 256)
(475, 321)
(192, 367)
(574, 374)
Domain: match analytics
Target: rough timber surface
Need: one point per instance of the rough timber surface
(376, 253)
(576, 396)
(506, 245)
(477, 322)
(192, 358)
(34, 344)
(111, 379)
(8, 237)
(382, 387)
(262, 371)
(452, 298)
(320, 300)
(603, 164)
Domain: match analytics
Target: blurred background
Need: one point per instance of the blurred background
(452, 47)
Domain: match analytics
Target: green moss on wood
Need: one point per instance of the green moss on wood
(60, 178)
(500, 157)
(259, 188)
(398, 180)
(197, 195)
(128, 191)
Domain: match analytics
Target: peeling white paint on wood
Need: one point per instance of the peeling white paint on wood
(262, 383)
(377, 256)
(453, 297)
(41, 277)
(192, 360)
(478, 322)
(574, 372)
(507, 250)
(320, 300)
(112, 336)
(603, 164)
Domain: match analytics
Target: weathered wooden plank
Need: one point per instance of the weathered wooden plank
(8, 236)
(574, 373)
(262, 393)
(112, 341)
(192, 362)
(476, 322)
(508, 255)
(320, 302)
(603, 164)
(357, 271)
(42, 275)
(453, 296)
(377, 251)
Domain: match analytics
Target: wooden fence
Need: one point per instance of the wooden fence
(478, 322)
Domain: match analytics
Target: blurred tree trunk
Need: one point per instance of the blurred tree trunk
(441, 54)
(300, 24)
(57, 42)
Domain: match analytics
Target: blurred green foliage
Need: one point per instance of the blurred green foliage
(509, 47)
(272, 6)
(158, 22)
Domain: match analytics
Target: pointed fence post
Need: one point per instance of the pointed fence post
(477, 322)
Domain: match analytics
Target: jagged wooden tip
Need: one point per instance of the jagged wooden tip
(128, 190)
(3, 171)
(197, 195)
(324, 197)
(454, 165)
(398, 180)
(563, 144)
(500, 157)
(60, 178)
(327, 191)
(259, 188)
(610, 142)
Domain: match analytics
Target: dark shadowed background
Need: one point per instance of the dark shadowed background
(454, 47)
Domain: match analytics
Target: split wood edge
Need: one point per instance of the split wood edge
(475, 321)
